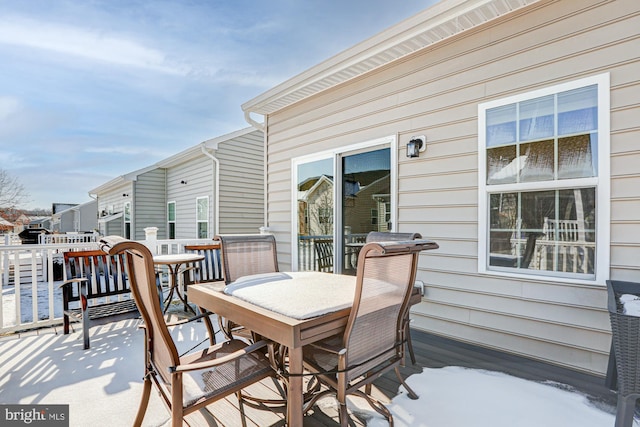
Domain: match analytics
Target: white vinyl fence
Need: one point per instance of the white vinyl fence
(31, 275)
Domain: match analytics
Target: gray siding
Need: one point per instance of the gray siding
(199, 176)
(88, 216)
(242, 183)
(436, 92)
(148, 208)
(113, 199)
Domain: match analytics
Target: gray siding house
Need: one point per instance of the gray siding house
(214, 187)
(529, 180)
(78, 218)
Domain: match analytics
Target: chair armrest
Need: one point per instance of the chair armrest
(190, 319)
(328, 347)
(70, 281)
(196, 366)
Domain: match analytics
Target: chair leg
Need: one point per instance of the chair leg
(376, 405)
(209, 326)
(625, 410)
(343, 414)
(243, 417)
(144, 402)
(177, 414)
(412, 394)
(65, 324)
(84, 305)
(409, 344)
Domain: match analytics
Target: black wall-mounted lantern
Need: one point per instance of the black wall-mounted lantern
(125, 195)
(416, 145)
(183, 182)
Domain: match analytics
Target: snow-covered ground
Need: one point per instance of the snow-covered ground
(26, 303)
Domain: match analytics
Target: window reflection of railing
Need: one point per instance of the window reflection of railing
(566, 257)
(307, 260)
(561, 246)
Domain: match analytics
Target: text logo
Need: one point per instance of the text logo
(34, 415)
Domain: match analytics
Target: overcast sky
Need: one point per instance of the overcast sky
(94, 89)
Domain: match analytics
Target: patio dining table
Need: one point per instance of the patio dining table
(291, 308)
(174, 262)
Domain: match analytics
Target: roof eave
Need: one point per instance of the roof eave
(427, 28)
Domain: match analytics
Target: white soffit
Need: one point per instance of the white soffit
(431, 26)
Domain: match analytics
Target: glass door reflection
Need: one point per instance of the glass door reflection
(315, 216)
(365, 201)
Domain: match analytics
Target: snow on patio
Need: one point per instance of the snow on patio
(103, 385)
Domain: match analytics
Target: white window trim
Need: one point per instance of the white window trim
(124, 219)
(602, 181)
(391, 140)
(198, 221)
(175, 213)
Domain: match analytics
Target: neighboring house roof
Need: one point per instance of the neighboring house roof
(304, 195)
(122, 179)
(181, 157)
(4, 222)
(210, 144)
(74, 208)
(111, 217)
(427, 28)
(40, 220)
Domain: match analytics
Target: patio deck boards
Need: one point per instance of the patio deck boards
(431, 352)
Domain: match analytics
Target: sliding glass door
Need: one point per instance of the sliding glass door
(365, 201)
(339, 197)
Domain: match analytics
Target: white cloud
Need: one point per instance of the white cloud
(129, 150)
(8, 107)
(86, 43)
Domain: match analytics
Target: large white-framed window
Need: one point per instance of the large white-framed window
(543, 183)
(333, 195)
(171, 219)
(127, 220)
(202, 217)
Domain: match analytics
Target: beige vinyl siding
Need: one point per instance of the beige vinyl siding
(242, 183)
(198, 172)
(149, 204)
(436, 92)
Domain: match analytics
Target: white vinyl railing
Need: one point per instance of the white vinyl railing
(45, 239)
(31, 275)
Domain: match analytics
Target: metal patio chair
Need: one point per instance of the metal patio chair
(416, 292)
(372, 343)
(245, 255)
(192, 381)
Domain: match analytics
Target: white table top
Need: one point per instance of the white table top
(176, 258)
(300, 295)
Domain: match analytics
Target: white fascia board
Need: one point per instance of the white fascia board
(195, 151)
(212, 144)
(121, 180)
(427, 28)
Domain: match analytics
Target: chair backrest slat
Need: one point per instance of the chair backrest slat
(210, 268)
(106, 274)
(247, 254)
